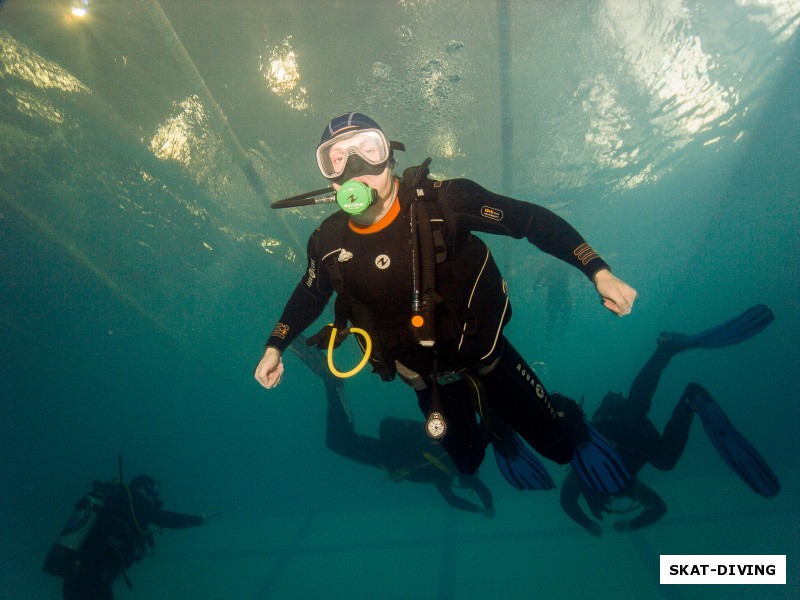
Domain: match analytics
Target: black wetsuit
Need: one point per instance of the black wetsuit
(624, 422)
(374, 268)
(116, 541)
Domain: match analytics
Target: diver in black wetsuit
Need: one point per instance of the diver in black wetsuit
(368, 254)
(119, 537)
(624, 422)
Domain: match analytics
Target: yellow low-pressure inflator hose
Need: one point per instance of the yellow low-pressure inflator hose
(359, 366)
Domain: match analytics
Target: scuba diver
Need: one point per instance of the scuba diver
(430, 302)
(402, 449)
(624, 422)
(109, 530)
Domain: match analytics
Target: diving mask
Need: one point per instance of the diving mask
(354, 197)
(370, 145)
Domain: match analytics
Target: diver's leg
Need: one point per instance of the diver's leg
(516, 394)
(474, 483)
(340, 435)
(674, 439)
(340, 427)
(734, 331)
(644, 385)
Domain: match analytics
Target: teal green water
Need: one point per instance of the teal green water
(140, 273)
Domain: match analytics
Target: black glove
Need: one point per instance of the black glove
(322, 338)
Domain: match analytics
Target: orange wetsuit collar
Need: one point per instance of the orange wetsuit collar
(385, 220)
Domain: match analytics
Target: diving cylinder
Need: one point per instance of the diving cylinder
(65, 551)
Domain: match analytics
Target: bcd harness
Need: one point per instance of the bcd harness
(436, 318)
(110, 503)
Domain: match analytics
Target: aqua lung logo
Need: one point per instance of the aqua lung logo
(312, 273)
(531, 378)
(495, 214)
(382, 262)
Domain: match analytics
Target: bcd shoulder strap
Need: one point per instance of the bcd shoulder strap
(416, 180)
(429, 230)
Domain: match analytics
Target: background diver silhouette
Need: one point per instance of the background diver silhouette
(402, 450)
(624, 422)
(110, 530)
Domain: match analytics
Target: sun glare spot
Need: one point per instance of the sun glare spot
(282, 74)
(172, 140)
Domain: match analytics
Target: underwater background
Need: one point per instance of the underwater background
(141, 271)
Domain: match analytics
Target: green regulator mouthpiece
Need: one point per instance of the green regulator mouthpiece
(354, 197)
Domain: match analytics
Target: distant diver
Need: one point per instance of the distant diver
(110, 529)
(624, 422)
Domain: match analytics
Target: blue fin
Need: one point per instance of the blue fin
(752, 321)
(518, 463)
(598, 464)
(731, 445)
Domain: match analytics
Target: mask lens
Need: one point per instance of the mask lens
(368, 144)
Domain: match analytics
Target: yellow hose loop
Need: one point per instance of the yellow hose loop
(359, 366)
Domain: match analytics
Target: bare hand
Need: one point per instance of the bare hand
(618, 296)
(269, 371)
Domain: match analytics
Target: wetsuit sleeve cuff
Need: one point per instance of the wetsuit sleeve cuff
(282, 335)
(277, 343)
(596, 265)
